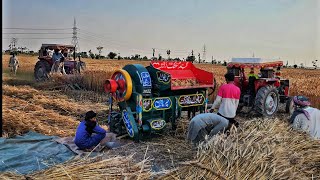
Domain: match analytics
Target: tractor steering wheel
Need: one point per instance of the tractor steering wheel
(213, 88)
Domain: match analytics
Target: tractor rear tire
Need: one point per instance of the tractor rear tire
(290, 106)
(267, 101)
(42, 70)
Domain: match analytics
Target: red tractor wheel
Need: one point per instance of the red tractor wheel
(267, 101)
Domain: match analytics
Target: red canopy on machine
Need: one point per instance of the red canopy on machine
(181, 70)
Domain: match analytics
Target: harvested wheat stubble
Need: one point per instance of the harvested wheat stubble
(19, 117)
(261, 149)
(93, 168)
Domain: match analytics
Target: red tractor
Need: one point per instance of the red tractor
(43, 66)
(264, 91)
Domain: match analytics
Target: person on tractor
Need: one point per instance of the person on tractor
(251, 77)
(305, 118)
(57, 59)
(252, 74)
(13, 64)
(89, 134)
(227, 101)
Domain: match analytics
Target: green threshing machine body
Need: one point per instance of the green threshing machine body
(150, 97)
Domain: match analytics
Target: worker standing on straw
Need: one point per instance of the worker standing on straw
(13, 64)
(305, 117)
(227, 99)
(89, 134)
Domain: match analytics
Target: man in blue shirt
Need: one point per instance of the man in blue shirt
(57, 59)
(89, 134)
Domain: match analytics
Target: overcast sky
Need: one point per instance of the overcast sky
(289, 29)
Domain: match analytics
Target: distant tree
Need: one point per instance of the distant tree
(191, 58)
(112, 55)
(225, 63)
(136, 57)
(301, 65)
(145, 58)
(295, 66)
(314, 64)
(160, 57)
(219, 62)
(99, 48)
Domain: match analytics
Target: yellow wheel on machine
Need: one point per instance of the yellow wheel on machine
(124, 81)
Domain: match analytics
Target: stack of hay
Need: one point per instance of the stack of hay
(261, 149)
(94, 168)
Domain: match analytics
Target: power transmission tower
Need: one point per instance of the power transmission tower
(204, 53)
(153, 51)
(74, 35)
(13, 44)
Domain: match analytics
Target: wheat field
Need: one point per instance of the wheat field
(52, 108)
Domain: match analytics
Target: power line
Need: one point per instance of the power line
(35, 33)
(39, 28)
(41, 38)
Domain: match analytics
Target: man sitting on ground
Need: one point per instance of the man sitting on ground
(305, 117)
(89, 134)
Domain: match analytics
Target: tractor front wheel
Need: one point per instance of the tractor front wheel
(42, 70)
(267, 101)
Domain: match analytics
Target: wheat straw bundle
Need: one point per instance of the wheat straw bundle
(94, 168)
(261, 149)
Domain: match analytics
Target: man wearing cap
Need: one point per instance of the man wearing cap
(305, 117)
(89, 134)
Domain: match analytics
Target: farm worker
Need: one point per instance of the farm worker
(252, 74)
(57, 59)
(13, 64)
(89, 134)
(305, 117)
(251, 77)
(227, 99)
(206, 124)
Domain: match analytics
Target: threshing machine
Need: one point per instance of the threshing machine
(150, 97)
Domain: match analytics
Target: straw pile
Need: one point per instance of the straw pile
(94, 168)
(261, 149)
